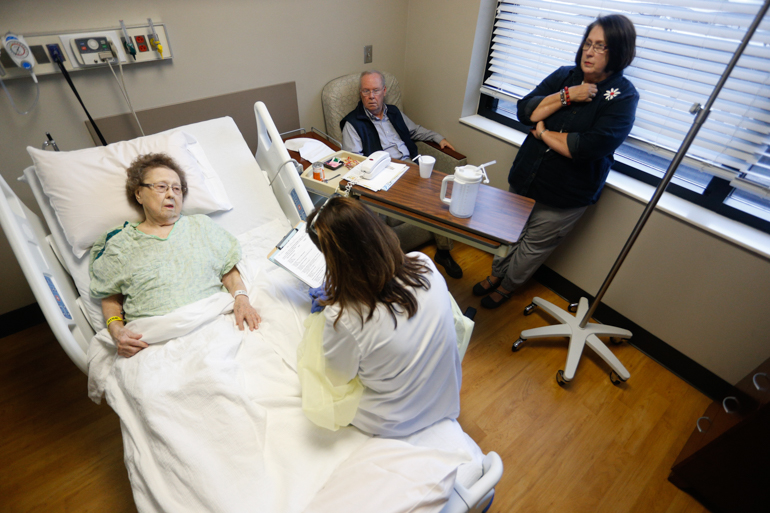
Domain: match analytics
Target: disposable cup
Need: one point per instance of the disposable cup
(426, 166)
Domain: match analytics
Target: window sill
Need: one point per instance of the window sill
(737, 233)
(495, 129)
(744, 236)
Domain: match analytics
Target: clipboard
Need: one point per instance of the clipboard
(297, 254)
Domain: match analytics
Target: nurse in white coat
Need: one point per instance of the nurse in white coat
(388, 320)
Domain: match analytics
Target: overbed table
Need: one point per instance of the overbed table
(495, 225)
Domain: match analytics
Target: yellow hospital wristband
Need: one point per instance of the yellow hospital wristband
(113, 319)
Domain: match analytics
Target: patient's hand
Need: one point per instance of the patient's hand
(445, 144)
(245, 312)
(128, 342)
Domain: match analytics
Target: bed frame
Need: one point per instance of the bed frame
(36, 249)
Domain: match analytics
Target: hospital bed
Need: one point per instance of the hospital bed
(268, 197)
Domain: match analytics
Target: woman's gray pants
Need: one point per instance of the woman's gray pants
(543, 232)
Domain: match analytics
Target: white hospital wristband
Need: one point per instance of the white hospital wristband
(240, 293)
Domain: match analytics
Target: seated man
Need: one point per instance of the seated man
(374, 126)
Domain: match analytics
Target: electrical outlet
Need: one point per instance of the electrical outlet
(367, 54)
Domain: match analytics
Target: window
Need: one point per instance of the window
(683, 47)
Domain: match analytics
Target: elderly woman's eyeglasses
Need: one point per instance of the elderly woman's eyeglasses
(598, 47)
(162, 187)
(367, 92)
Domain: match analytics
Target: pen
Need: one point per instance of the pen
(332, 178)
(288, 236)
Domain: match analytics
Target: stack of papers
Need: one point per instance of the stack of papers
(381, 182)
(297, 254)
(311, 150)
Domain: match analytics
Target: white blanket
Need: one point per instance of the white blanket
(211, 416)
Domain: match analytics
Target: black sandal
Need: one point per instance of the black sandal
(491, 304)
(479, 290)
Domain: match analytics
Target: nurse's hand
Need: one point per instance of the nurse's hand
(317, 294)
(244, 312)
(127, 342)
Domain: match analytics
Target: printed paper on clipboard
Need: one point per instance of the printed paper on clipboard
(297, 254)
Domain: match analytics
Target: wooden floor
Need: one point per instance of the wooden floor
(590, 447)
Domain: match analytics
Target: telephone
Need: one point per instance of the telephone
(375, 164)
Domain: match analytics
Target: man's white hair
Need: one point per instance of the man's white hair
(371, 72)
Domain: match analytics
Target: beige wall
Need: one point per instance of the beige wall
(439, 47)
(702, 295)
(219, 47)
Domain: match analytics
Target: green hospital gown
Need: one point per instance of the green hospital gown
(156, 275)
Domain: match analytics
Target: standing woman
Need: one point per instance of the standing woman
(581, 114)
(388, 321)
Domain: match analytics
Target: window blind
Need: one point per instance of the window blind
(683, 47)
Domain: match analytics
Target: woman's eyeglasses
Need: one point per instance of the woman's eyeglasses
(311, 226)
(598, 47)
(162, 188)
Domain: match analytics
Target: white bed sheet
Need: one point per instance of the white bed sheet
(212, 420)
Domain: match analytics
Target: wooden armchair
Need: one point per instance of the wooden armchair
(340, 96)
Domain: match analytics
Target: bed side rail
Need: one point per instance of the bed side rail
(53, 288)
(273, 157)
(479, 496)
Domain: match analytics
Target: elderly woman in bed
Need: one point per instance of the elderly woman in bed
(166, 261)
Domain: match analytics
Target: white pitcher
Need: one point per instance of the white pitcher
(467, 180)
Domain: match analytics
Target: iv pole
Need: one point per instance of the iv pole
(583, 333)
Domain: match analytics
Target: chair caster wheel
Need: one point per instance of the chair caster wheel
(616, 380)
(561, 380)
(517, 345)
(618, 341)
(530, 308)
(572, 307)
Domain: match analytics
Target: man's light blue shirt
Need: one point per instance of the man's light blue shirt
(389, 139)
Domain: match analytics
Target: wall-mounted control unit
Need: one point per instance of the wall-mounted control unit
(86, 50)
(80, 49)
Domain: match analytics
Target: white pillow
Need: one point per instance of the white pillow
(87, 188)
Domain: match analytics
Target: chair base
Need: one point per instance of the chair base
(579, 338)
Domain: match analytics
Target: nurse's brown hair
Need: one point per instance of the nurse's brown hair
(364, 262)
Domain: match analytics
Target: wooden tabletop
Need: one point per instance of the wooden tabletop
(426, 222)
(499, 215)
(498, 218)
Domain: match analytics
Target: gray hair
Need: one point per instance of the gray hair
(371, 72)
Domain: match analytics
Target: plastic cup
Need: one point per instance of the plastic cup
(426, 166)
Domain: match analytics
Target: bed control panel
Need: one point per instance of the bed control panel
(57, 297)
(298, 204)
